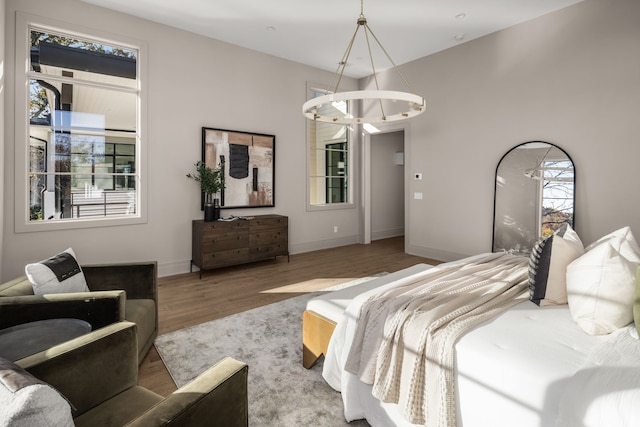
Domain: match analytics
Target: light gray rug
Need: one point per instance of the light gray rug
(269, 339)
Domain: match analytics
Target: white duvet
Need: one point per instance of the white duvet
(530, 366)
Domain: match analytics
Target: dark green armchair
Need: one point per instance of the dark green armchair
(118, 292)
(98, 372)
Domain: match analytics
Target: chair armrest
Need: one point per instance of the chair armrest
(218, 397)
(139, 280)
(90, 369)
(97, 308)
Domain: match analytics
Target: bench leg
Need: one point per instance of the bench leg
(316, 333)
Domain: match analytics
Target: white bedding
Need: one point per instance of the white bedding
(511, 370)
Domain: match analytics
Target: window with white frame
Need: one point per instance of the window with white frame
(82, 143)
(329, 157)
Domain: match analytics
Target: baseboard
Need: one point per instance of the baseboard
(173, 268)
(386, 234)
(182, 267)
(435, 254)
(323, 244)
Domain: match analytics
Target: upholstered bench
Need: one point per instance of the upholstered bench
(323, 312)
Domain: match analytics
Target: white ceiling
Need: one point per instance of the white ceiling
(316, 33)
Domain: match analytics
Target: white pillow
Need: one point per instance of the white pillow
(27, 401)
(58, 274)
(601, 284)
(548, 266)
(624, 242)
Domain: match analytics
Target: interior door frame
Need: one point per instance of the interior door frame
(366, 138)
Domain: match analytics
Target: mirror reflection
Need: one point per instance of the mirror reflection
(534, 195)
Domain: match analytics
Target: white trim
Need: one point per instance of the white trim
(21, 221)
(366, 176)
(350, 204)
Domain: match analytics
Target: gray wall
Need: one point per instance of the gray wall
(571, 78)
(193, 82)
(387, 185)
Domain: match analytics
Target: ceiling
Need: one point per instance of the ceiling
(317, 33)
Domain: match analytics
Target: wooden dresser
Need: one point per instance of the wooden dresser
(223, 243)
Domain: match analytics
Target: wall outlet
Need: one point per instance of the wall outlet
(335, 228)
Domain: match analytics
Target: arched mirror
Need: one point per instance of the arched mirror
(534, 196)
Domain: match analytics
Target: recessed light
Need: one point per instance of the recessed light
(459, 37)
(461, 16)
(271, 28)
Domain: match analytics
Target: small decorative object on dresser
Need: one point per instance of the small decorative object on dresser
(211, 182)
(223, 243)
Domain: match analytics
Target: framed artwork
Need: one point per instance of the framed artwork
(248, 162)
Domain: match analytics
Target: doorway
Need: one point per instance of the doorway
(385, 194)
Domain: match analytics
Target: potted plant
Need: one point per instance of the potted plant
(211, 182)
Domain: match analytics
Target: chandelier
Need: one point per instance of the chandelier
(412, 105)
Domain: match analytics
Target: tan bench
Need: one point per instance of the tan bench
(323, 312)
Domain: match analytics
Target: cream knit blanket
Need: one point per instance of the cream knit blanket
(405, 336)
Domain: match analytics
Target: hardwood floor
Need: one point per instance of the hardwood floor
(185, 300)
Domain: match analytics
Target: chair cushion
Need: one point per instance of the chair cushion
(120, 409)
(142, 312)
(27, 401)
(58, 274)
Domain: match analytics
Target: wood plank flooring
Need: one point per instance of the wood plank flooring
(185, 300)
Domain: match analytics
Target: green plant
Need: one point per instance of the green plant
(211, 180)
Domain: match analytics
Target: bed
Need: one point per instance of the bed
(528, 365)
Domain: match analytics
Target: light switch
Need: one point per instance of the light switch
(417, 196)
(417, 176)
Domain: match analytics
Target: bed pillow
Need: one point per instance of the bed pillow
(548, 266)
(623, 240)
(601, 285)
(58, 274)
(27, 401)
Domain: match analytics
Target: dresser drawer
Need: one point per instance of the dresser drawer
(261, 224)
(268, 251)
(267, 237)
(218, 227)
(222, 258)
(224, 241)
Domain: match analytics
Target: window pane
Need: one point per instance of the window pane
(328, 156)
(557, 195)
(59, 55)
(79, 106)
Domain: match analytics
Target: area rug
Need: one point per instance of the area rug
(269, 339)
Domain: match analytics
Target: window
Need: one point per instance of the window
(83, 136)
(557, 195)
(329, 157)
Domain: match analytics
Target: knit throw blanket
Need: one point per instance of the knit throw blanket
(404, 339)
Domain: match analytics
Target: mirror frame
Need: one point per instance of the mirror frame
(495, 190)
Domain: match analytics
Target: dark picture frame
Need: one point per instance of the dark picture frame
(248, 162)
